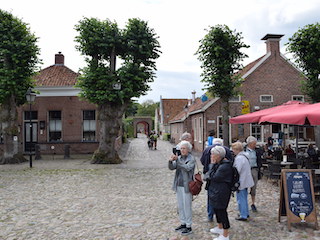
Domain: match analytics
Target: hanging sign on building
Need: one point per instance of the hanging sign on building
(245, 107)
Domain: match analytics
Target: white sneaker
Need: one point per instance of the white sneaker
(216, 230)
(221, 237)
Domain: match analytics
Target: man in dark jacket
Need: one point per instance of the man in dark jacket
(205, 160)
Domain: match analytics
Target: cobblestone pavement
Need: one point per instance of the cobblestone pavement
(73, 199)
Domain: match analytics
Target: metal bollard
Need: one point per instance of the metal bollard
(66, 151)
(37, 152)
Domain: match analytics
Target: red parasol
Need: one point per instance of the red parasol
(306, 114)
(256, 117)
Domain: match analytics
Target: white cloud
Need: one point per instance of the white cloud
(180, 25)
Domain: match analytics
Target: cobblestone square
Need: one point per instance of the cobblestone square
(73, 199)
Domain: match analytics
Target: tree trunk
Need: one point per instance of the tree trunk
(110, 122)
(317, 135)
(10, 134)
(225, 122)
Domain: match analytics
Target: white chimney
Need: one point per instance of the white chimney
(193, 96)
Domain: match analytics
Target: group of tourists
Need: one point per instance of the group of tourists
(218, 171)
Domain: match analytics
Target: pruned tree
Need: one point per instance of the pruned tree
(220, 54)
(18, 63)
(112, 88)
(305, 46)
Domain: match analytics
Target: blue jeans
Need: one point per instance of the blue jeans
(242, 199)
(210, 209)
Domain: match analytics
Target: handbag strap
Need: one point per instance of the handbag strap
(197, 167)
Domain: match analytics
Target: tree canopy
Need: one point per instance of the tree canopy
(147, 108)
(18, 58)
(102, 42)
(305, 46)
(220, 55)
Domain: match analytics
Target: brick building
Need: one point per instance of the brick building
(269, 81)
(168, 109)
(58, 116)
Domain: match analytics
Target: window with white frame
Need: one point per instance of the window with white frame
(55, 126)
(200, 129)
(256, 131)
(296, 130)
(266, 98)
(195, 130)
(219, 127)
(235, 99)
(297, 98)
(89, 125)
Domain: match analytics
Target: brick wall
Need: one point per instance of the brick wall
(72, 125)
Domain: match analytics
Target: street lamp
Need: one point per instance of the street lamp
(30, 96)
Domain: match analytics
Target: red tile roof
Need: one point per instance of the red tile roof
(56, 76)
(198, 105)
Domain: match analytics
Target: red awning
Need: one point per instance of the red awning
(255, 117)
(307, 114)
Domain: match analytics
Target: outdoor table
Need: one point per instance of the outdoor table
(287, 164)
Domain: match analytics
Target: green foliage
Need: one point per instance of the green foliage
(18, 58)
(132, 109)
(305, 46)
(101, 42)
(142, 45)
(97, 39)
(128, 127)
(147, 108)
(220, 54)
(166, 136)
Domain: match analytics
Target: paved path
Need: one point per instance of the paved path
(73, 199)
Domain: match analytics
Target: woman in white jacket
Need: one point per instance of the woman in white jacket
(241, 162)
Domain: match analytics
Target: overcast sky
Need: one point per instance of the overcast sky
(180, 24)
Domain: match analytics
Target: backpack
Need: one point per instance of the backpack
(235, 183)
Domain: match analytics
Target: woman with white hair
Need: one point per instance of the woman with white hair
(219, 190)
(241, 162)
(184, 166)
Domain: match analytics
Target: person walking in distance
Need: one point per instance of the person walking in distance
(241, 163)
(255, 164)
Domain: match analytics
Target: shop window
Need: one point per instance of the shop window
(55, 126)
(89, 125)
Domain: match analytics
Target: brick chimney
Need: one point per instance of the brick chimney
(273, 43)
(59, 59)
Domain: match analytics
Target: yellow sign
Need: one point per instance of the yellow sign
(245, 108)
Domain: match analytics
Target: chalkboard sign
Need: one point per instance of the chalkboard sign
(297, 196)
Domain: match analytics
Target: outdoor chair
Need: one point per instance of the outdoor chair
(274, 171)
